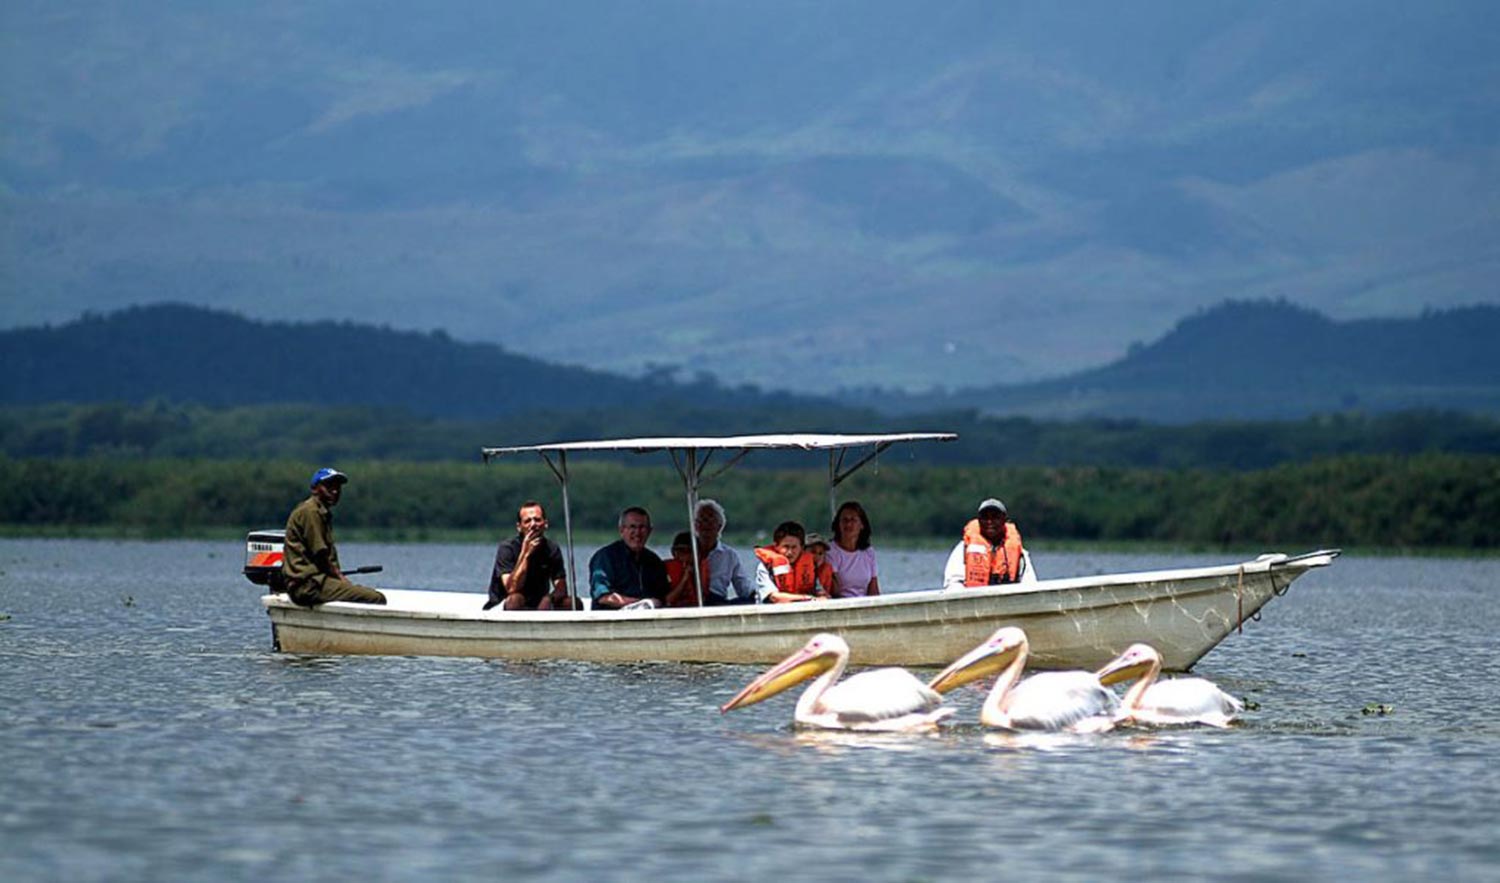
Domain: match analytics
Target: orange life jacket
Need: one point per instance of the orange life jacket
(675, 570)
(801, 578)
(981, 559)
(822, 573)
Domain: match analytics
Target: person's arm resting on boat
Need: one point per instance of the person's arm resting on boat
(765, 585)
(603, 582)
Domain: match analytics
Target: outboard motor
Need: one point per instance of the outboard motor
(263, 549)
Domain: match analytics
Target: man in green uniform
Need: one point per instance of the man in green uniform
(310, 563)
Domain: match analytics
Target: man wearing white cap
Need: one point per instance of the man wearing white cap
(310, 561)
(990, 552)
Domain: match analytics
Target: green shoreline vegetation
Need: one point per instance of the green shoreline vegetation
(1427, 503)
(159, 430)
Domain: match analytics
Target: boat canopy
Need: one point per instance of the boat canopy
(691, 456)
(807, 441)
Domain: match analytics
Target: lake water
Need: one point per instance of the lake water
(148, 732)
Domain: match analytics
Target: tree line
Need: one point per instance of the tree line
(339, 434)
(1434, 500)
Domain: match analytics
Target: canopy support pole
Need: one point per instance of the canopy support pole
(834, 457)
(689, 471)
(560, 469)
(837, 473)
(722, 469)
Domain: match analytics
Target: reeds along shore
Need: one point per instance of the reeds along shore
(1433, 500)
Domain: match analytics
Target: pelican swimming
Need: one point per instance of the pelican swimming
(883, 700)
(1074, 701)
(1166, 703)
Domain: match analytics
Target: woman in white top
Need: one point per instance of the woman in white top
(850, 554)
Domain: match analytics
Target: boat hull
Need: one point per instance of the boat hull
(1071, 623)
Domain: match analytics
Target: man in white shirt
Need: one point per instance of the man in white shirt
(728, 580)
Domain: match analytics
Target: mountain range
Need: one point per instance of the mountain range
(838, 194)
(1263, 360)
(187, 354)
(1237, 361)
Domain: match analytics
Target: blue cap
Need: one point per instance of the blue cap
(328, 473)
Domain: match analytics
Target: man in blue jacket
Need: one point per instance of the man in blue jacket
(625, 571)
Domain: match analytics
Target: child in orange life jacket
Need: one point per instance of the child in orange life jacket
(681, 591)
(817, 547)
(786, 573)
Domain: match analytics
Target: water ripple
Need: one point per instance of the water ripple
(162, 739)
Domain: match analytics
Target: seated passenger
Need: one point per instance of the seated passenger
(817, 547)
(728, 582)
(625, 571)
(990, 552)
(681, 590)
(855, 572)
(529, 573)
(785, 572)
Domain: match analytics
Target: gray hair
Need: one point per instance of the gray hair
(633, 510)
(718, 510)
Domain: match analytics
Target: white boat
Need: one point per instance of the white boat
(1078, 622)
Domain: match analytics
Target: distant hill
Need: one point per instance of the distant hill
(1239, 361)
(1263, 360)
(187, 354)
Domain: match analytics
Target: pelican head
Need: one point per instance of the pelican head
(1134, 663)
(818, 655)
(995, 654)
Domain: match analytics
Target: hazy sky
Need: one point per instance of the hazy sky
(787, 193)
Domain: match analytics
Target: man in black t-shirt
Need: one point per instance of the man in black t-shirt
(529, 573)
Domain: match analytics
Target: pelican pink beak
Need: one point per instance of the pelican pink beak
(812, 660)
(999, 651)
(1130, 665)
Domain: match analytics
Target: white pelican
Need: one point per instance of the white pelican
(883, 700)
(1165, 703)
(1074, 701)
